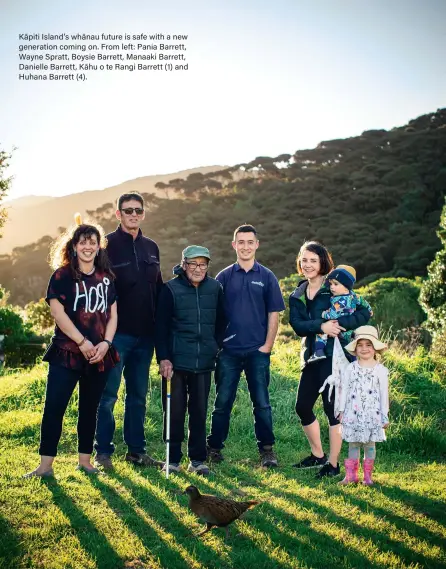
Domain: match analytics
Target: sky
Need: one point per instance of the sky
(264, 78)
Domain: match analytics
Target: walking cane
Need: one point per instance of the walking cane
(168, 380)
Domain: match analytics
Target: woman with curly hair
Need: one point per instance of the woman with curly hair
(82, 298)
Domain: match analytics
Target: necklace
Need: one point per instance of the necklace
(90, 272)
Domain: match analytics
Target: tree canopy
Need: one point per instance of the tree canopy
(374, 200)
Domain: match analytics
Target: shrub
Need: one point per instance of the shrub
(394, 302)
(21, 346)
(433, 293)
(38, 314)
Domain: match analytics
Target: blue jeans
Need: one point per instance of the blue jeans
(136, 354)
(227, 376)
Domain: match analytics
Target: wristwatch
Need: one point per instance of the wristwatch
(109, 343)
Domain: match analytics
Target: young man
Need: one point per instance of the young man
(190, 323)
(135, 261)
(253, 301)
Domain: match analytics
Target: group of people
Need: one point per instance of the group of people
(112, 311)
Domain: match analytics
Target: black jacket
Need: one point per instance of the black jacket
(307, 325)
(190, 323)
(136, 264)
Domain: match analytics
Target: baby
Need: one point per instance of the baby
(344, 301)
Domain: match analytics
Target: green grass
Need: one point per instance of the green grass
(134, 518)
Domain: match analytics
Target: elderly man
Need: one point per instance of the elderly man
(190, 323)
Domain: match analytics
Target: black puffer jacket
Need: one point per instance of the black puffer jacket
(190, 323)
(307, 323)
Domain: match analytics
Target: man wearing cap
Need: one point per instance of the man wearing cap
(190, 324)
(343, 302)
(253, 301)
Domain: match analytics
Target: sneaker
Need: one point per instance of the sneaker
(214, 455)
(311, 461)
(103, 460)
(199, 468)
(268, 457)
(173, 467)
(143, 460)
(329, 470)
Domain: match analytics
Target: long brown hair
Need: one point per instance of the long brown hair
(62, 250)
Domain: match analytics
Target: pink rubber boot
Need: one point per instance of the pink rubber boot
(351, 471)
(367, 467)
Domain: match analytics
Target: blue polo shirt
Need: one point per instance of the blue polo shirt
(249, 297)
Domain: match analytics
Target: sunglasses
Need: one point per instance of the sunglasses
(130, 210)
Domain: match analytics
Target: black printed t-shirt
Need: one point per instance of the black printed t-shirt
(87, 303)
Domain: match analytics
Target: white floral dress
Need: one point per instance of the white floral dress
(364, 401)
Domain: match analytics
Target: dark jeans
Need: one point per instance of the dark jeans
(311, 380)
(136, 355)
(227, 376)
(60, 386)
(188, 391)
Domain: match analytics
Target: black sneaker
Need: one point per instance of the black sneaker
(214, 455)
(311, 461)
(329, 470)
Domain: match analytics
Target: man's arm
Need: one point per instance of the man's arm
(273, 326)
(221, 321)
(164, 313)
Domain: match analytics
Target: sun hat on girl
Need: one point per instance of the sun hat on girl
(366, 333)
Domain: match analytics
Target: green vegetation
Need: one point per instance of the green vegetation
(136, 519)
(375, 200)
(22, 347)
(4, 184)
(433, 293)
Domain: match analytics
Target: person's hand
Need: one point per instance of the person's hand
(332, 328)
(166, 369)
(101, 349)
(386, 425)
(265, 349)
(87, 349)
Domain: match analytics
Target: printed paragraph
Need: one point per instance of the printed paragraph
(79, 57)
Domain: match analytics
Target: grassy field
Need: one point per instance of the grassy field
(134, 518)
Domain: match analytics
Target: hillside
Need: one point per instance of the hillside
(32, 217)
(374, 199)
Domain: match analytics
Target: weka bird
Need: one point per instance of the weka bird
(216, 512)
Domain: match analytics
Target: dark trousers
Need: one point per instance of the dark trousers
(256, 366)
(60, 386)
(311, 380)
(189, 391)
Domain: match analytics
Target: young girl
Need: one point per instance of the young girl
(364, 403)
(82, 298)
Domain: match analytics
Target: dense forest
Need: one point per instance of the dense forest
(375, 200)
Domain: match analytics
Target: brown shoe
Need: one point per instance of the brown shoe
(103, 460)
(214, 455)
(143, 460)
(268, 457)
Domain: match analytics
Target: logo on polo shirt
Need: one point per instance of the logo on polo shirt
(259, 283)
